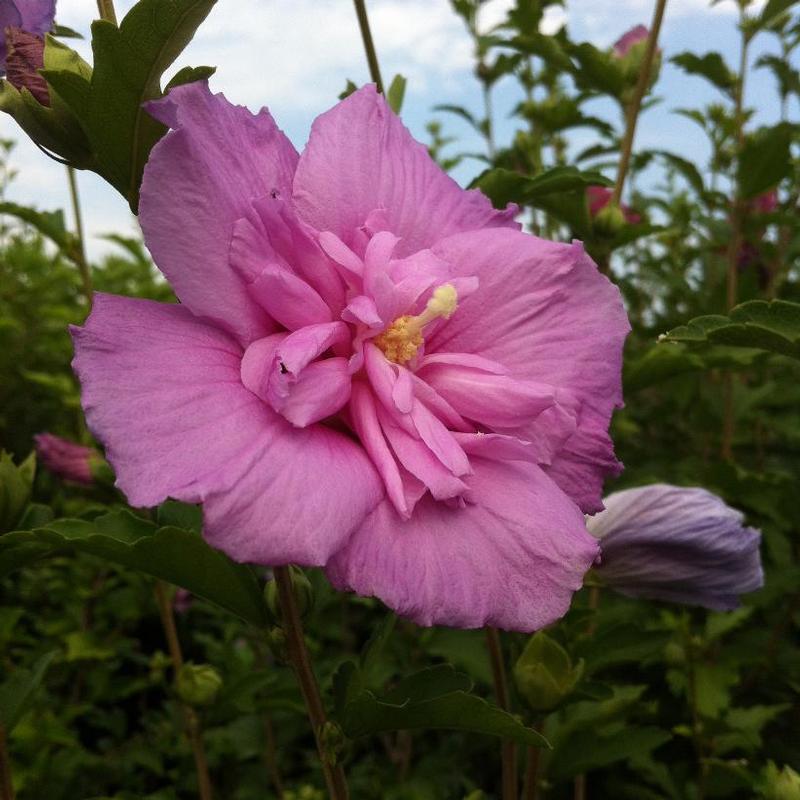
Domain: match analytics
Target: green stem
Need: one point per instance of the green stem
(636, 102)
(509, 750)
(6, 784)
(191, 720)
(106, 10)
(530, 787)
(369, 45)
(301, 663)
(79, 256)
(734, 245)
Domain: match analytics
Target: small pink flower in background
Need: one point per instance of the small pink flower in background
(765, 203)
(68, 460)
(600, 196)
(370, 370)
(632, 37)
(30, 16)
(182, 601)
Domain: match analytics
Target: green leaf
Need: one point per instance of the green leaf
(598, 70)
(772, 326)
(765, 160)
(685, 168)
(129, 62)
(710, 66)
(503, 186)
(49, 223)
(17, 691)
(586, 750)
(367, 715)
(396, 92)
(172, 554)
(772, 12)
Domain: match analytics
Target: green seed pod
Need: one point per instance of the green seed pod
(544, 673)
(198, 684)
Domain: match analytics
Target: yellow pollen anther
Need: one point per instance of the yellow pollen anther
(401, 340)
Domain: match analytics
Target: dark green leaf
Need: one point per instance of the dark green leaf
(710, 66)
(765, 160)
(18, 690)
(172, 554)
(773, 326)
(586, 750)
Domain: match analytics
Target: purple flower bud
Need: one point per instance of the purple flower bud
(32, 16)
(600, 196)
(682, 545)
(182, 601)
(625, 42)
(24, 59)
(68, 460)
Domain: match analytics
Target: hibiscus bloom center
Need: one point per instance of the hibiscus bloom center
(403, 338)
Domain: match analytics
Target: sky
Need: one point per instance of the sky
(295, 57)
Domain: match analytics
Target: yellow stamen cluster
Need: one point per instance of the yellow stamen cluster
(403, 338)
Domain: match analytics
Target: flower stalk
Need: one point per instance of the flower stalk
(106, 10)
(509, 751)
(636, 101)
(6, 784)
(735, 243)
(301, 663)
(79, 256)
(369, 45)
(192, 722)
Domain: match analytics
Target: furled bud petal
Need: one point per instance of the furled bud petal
(34, 16)
(630, 38)
(765, 203)
(671, 543)
(15, 489)
(25, 57)
(198, 684)
(68, 460)
(783, 784)
(544, 673)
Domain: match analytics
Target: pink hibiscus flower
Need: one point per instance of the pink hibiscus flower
(371, 369)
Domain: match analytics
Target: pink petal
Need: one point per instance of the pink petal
(199, 181)
(322, 389)
(544, 311)
(360, 158)
(162, 391)
(512, 558)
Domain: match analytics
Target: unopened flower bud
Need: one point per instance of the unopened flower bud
(69, 460)
(24, 60)
(544, 673)
(301, 589)
(677, 544)
(333, 741)
(783, 784)
(198, 684)
(608, 218)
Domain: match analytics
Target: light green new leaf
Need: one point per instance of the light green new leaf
(129, 62)
(396, 92)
